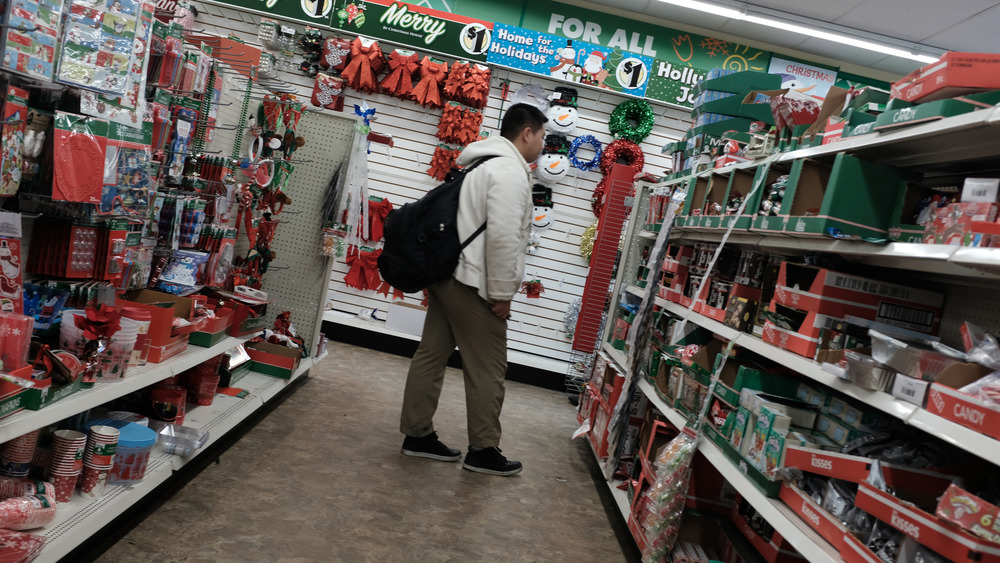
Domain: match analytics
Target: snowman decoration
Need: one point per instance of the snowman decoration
(553, 164)
(541, 217)
(562, 113)
(566, 67)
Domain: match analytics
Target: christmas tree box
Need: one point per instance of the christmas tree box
(852, 198)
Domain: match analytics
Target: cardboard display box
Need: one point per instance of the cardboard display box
(716, 198)
(163, 308)
(945, 400)
(775, 549)
(803, 338)
(215, 331)
(405, 317)
(954, 74)
(274, 360)
(838, 294)
(830, 528)
(933, 111)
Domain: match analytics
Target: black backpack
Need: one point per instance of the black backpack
(421, 238)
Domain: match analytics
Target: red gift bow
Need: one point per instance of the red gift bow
(442, 162)
(363, 273)
(102, 322)
(533, 289)
(399, 81)
(451, 124)
(476, 90)
(428, 91)
(359, 73)
(378, 211)
(472, 121)
(456, 78)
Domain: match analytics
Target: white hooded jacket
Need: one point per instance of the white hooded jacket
(499, 189)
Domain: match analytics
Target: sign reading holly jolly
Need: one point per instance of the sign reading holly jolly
(423, 29)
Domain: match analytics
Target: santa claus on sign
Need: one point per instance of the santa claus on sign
(593, 68)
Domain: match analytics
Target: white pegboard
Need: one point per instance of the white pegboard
(399, 174)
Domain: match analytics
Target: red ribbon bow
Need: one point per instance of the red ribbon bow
(428, 91)
(476, 89)
(378, 211)
(363, 273)
(456, 78)
(399, 81)
(102, 322)
(359, 73)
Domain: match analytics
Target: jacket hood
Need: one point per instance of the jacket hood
(494, 146)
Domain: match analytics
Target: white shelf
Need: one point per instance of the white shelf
(513, 356)
(135, 379)
(79, 519)
(635, 290)
(649, 234)
(965, 137)
(786, 522)
(620, 496)
(929, 258)
(617, 356)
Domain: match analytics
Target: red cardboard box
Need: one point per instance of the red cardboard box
(163, 308)
(954, 74)
(814, 516)
(249, 315)
(855, 551)
(737, 290)
(677, 258)
(953, 224)
(856, 469)
(834, 130)
(951, 404)
(838, 294)
(598, 434)
(777, 550)
(273, 359)
(970, 512)
(945, 538)
(804, 341)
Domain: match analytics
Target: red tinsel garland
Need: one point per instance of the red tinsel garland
(620, 149)
(442, 162)
(428, 91)
(399, 81)
(365, 64)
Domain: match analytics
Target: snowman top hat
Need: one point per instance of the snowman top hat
(564, 96)
(556, 144)
(541, 196)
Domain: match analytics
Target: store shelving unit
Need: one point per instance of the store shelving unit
(79, 519)
(951, 147)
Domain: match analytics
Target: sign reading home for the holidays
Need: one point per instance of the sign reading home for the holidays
(682, 59)
(569, 60)
(419, 27)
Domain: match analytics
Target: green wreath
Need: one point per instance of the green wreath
(625, 114)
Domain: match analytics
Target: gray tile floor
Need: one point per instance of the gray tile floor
(321, 479)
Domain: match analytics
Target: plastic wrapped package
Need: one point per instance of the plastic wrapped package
(26, 513)
(667, 496)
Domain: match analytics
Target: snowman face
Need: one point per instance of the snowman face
(541, 217)
(562, 119)
(551, 168)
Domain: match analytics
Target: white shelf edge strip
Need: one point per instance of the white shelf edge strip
(773, 510)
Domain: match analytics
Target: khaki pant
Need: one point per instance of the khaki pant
(456, 314)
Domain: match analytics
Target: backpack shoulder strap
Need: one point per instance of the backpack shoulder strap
(483, 226)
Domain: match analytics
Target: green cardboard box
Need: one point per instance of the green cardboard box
(716, 197)
(771, 225)
(933, 111)
(37, 398)
(769, 487)
(274, 360)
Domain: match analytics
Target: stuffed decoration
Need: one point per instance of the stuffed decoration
(432, 74)
(553, 164)
(399, 81)
(336, 52)
(328, 92)
(541, 217)
(366, 62)
(562, 113)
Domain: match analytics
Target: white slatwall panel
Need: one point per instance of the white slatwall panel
(399, 174)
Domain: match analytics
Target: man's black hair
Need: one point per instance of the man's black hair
(518, 117)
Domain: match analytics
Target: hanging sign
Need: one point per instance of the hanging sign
(569, 60)
(809, 79)
(422, 28)
(681, 58)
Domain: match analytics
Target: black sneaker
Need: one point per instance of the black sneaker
(491, 461)
(430, 447)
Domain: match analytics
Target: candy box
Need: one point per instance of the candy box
(970, 512)
(954, 74)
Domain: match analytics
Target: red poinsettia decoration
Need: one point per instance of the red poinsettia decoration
(533, 289)
(100, 322)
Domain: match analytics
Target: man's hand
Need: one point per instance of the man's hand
(501, 309)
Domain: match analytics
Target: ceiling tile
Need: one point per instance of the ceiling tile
(760, 34)
(911, 20)
(975, 35)
(826, 10)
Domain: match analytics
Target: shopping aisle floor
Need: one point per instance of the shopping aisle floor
(321, 479)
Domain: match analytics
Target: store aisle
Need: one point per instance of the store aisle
(321, 479)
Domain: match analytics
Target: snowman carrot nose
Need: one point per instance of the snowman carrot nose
(539, 217)
(554, 164)
(563, 117)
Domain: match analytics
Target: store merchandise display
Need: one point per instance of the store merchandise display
(830, 413)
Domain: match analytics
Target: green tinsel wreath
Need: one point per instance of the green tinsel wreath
(627, 113)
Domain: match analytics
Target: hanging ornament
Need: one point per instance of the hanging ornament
(336, 52)
(632, 120)
(541, 198)
(328, 92)
(532, 288)
(562, 113)
(587, 241)
(572, 315)
(361, 72)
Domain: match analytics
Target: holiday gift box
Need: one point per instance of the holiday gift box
(954, 74)
(945, 400)
(953, 223)
(853, 197)
(769, 487)
(273, 359)
(838, 294)
(799, 331)
(249, 310)
(944, 537)
(163, 308)
(235, 365)
(215, 330)
(718, 299)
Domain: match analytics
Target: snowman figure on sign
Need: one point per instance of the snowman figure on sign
(566, 67)
(562, 113)
(541, 216)
(553, 164)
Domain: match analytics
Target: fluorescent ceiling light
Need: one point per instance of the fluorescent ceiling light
(786, 25)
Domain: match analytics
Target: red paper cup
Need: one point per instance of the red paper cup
(64, 487)
(93, 482)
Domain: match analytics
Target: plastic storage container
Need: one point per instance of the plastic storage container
(135, 443)
(141, 350)
(179, 440)
(868, 373)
